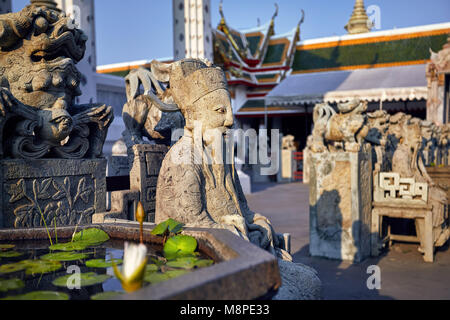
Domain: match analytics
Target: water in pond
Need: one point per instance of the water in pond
(30, 271)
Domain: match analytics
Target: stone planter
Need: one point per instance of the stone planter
(242, 270)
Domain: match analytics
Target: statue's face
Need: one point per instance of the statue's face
(214, 113)
(57, 125)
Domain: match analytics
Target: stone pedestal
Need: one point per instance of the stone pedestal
(288, 166)
(340, 205)
(144, 174)
(65, 191)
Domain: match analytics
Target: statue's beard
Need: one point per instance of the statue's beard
(219, 169)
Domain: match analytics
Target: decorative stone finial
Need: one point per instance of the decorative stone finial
(47, 3)
(359, 21)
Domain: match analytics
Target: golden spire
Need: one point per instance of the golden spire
(359, 21)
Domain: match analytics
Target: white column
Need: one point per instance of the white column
(84, 14)
(5, 6)
(192, 29)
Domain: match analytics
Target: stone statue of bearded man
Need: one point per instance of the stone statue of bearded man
(196, 185)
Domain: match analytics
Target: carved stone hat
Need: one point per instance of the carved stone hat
(190, 80)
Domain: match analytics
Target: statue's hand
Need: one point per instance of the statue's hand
(102, 115)
(7, 101)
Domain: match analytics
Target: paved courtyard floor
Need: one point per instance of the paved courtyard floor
(404, 274)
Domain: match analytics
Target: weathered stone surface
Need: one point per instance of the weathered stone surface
(340, 205)
(287, 164)
(144, 174)
(64, 191)
(299, 282)
(149, 115)
(198, 185)
(343, 131)
(39, 48)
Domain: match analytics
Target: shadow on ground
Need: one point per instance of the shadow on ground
(404, 274)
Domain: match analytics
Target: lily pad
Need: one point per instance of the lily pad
(40, 296)
(86, 279)
(156, 277)
(176, 273)
(11, 284)
(12, 268)
(106, 295)
(100, 263)
(41, 266)
(170, 225)
(91, 236)
(10, 254)
(189, 263)
(179, 246)
(7, 246)
(151, 268)
(70, 246)
(65, 256)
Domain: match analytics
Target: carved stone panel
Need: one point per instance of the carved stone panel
(340, 205)
(44, 192)
(144, 174)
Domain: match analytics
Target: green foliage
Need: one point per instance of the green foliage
(11, 268)
(31, 267)
(64, 256)
(70, 246)
(100, 263)
(87, 279)
(92, 236)
(157, 277)
(168, 227)
(40, 296)
(189, 263)
(179, 246)
(4, 247)
(105, 295)
(11, 284)
(10, 254)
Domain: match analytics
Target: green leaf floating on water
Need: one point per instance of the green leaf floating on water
(41, 266)
(179, 246)
(7, 246)
(87, 279)
(10, 254)
(189, 263)
(71, 246)
(82, 240)
(157, 277)
(11, 268)
(32, 267)
(100, 263)
(92, 236)
(171, 225)
(64, 256)
(106, 295)
(40, 296)
(11, 284)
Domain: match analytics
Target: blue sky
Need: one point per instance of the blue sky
(142, 29)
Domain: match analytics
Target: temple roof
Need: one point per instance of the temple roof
(255, 57)
(401, 83)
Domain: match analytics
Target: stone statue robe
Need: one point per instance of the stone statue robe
(210, 196)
